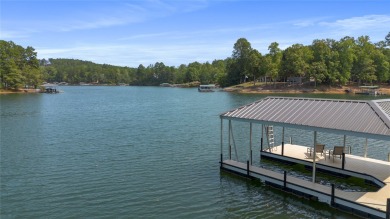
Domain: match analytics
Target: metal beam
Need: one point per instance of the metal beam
(234, 142)
(314, 156)
(230, 144)
(283, 141)
(221, 141)
(318, 129)
(365, 148)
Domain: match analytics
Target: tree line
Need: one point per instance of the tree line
(19, 67)
(325, 61)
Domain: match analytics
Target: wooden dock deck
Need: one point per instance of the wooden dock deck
(356, 164)
(374, 202)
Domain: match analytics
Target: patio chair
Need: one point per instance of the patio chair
(319, 149)
(337, 151)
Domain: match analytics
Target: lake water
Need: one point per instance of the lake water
(134, 152)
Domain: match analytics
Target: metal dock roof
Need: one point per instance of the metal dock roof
(369, 119)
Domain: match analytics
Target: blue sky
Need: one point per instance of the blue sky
(133, 32)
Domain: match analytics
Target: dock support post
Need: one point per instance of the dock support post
(221, 141)
(283, 141)
(365, 149)
(314, 157)
(285, 180)
(344, 141)
(343, 162)
(230, 144)
(250, 143)
(261, 144)
(247, 167)
(262, 137)
(332, 196)
(388, 157)
(290, 140)
(388, 209)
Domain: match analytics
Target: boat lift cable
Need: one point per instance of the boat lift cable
(234, 142)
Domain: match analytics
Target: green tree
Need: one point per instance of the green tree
(193, 72)
(255, 60)
(220, 74)
(363, 67)
(387, 40)
(345, 49)
(276, 56)
(295, 60)
(318, 71)
(241, 57)
(19, 66)
(382, 67)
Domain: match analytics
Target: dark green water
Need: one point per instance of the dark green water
(131, 152)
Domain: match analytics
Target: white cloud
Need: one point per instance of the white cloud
(361, 23)
(12, 34)
(115, 14)
(133, 55)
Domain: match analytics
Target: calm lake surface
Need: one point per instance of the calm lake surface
(136, 152)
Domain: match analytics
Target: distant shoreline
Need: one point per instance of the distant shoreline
(20, 91)
(248, 88)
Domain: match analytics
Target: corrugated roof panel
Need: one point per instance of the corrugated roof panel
(321, 109)
(385, 105)
(367, 116)
(297, 107)
(282, 109)
(290, 116)
(358, 118)
(328, 112)
(353, 118)
(341, 116)
(270, 111)
(298, 116)
(347, 115)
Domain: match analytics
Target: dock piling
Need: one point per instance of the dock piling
(283, 141)
(285, 180)
(247, 167)
(251, 157)
(343, 161)
(332, 196)
(261, 144)
(388, 209)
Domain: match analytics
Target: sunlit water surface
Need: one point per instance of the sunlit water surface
(136, 152)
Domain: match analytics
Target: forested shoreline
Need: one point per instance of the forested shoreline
(326, 62)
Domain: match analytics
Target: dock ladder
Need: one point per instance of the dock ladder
(269, 130)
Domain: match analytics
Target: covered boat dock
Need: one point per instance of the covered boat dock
(362, 119)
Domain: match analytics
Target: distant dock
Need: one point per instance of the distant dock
(50, 89)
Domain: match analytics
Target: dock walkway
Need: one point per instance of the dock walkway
(372, 203)
(376, 168)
